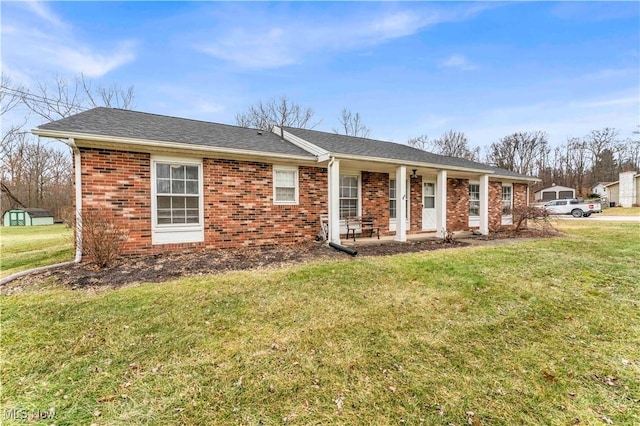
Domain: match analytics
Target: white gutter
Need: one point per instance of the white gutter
(78, 184)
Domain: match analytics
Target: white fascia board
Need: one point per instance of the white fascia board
(304, 144)
(515, 179)
(397, 162)
(147, 143)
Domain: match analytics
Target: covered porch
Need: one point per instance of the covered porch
(431, 198)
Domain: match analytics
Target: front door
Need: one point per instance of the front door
(428, 206)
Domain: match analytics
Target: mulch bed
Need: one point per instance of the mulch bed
(165, 267)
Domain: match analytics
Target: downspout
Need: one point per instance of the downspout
(332, 160)
(78, 185)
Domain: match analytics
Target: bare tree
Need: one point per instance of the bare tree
(519, 151)
(351, 124)
(63, 98)
(421, 142)
(277, 112)
(455, 144)
(9, 95)
(33, 174)
(576, 162)
(597, 143)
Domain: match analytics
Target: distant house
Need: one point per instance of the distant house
(180, 185)
(27, 217)
(600, 188)
(625, 192)
(555, 192)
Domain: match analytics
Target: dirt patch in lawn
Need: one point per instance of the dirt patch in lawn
(164, 267)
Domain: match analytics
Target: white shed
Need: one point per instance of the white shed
(27, 217)
(555, 192)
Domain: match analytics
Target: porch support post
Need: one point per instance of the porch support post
(484, 204)
(441, 204)
(334, 200)
(401, 203)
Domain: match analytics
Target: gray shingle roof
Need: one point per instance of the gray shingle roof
(111, 122)
(350, 145)
(36, 212)
(140, 125)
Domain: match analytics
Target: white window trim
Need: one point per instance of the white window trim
(507, 219)
(474, 221)
(394, 221)
(297, 185)
(176, 233)
(393, 199)
(343, 222)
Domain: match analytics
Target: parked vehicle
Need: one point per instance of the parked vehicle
(576, 207)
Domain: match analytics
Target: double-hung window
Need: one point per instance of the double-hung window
(177, 200)
(474, 200)
(285, 185)
(392, 199)
(177, 194)
(349, 200)
(507, 200)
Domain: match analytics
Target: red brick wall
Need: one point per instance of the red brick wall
(238, 201)
(415, 197)
(239, 209)
(457, 204)
(118, 182)
(495, 205)
(519, 194)
(375, 198)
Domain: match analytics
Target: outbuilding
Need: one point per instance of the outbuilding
(27, 217)
(625, 192)
(555, 192)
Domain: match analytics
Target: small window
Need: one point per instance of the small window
(429, 199)
(474, 199)
(507, 202)
(285, 185)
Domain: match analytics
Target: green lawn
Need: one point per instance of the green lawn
(26, 247)
(539, 332)
(622, 211)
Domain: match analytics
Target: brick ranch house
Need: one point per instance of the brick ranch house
(184, 185)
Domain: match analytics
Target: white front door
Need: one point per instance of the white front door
(428, 206)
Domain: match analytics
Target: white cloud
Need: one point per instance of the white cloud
(267, 43)
(39, 42)
(42, 10)
(559, 119)
(459, 62)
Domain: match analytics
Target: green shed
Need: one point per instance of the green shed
(27, 217)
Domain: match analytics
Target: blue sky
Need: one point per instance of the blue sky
(408, 68)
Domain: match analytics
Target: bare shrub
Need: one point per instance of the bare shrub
(447, 238)
(524, 216)
(102, 236)
(68, 216)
